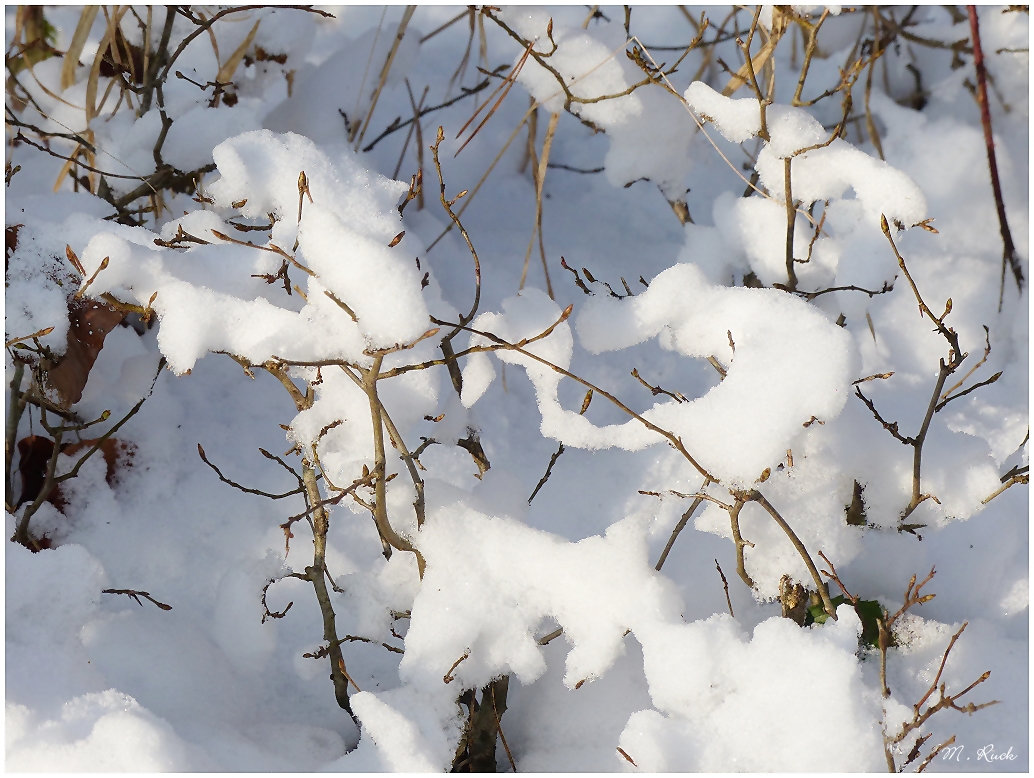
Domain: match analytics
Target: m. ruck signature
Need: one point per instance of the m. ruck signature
(984, 754)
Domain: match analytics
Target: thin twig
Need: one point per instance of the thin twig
(933, 754)
(1009, 249)
(235, 485)
(819, 583)
(499, 726)
(549, 471)
(725, 584)
(674, 441)
(136, 595)
(678, 529)
(449, 677)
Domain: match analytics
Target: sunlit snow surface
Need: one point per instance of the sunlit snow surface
(649, 662)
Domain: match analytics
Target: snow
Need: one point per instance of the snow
(687, 668)
(747, 422)
(738, 119)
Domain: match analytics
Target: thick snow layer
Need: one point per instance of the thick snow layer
(738, 119)
(207, 300)
(825, 171)
(747, 422)
(546, 512)
(701, 676)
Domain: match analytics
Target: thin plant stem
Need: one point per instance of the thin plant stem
(1009, 249)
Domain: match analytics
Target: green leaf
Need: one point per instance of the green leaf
(870, 612)
(818, 615)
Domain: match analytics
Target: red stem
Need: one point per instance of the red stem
(1009, 253)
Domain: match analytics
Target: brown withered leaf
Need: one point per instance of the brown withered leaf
(34, 454)
(264, 56)
(89, 323)
(118, 454)
(10, 242)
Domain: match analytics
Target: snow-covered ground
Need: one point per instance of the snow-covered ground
(762, 407)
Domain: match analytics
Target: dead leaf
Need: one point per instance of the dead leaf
(34, 454)
(89, 322)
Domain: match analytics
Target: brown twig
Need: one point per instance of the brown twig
(1009, 249)
(1021, 477)
(136, 595)
(545, 639)
(656, 390)
(933, 754)
(675, 442)
(449, 677)
(734, 519)
(678, 529)
(725, 584)
(549, 471)
(235, 485)
(945, 700)
(820, 585)
(833, 576)
(499, 727)
(626, 757)
(268, 614)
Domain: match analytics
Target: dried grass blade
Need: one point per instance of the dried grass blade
(502, 84)
(95, 72)
(512, 78)
(75, 48)
(403, 24)
(230, 67)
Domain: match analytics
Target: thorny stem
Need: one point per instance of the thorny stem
(1009, 249)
